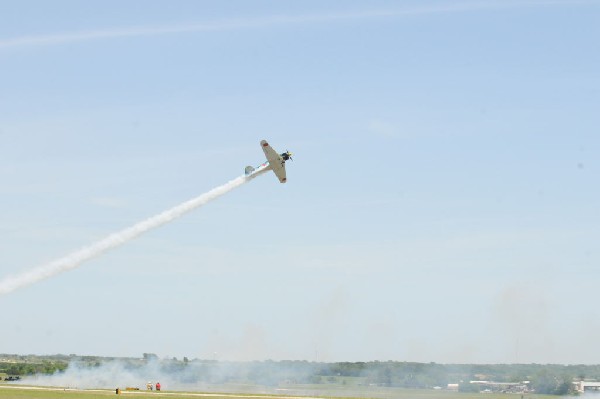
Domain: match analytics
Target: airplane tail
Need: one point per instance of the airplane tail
(249, 170)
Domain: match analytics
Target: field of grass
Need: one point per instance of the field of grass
(20, 392)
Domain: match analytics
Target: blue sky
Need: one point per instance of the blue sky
(442, 204)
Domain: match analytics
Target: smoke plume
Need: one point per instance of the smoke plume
(75, 259)
(195, 375)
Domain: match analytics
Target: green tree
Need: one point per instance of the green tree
(552, 383)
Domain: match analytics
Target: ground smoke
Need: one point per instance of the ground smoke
(196, 375)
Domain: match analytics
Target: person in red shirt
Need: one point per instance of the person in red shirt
(157, 386)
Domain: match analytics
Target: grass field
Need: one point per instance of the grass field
(23, 392)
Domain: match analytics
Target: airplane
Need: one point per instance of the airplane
(275, 162)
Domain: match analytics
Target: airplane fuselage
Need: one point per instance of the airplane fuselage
(275, 162)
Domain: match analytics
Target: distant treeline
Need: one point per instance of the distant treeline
(20, 368)
(544, 378)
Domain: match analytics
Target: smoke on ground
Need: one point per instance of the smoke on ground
(195, 375)
(75, 259)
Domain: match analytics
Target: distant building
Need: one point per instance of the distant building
(504, 387)
(582, 386)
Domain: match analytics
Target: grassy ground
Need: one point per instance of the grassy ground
(17, 392)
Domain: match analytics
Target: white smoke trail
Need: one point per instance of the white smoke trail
(73, 260)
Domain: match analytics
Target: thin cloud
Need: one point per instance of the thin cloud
(273, 21)
(107, 202)
(382, 128)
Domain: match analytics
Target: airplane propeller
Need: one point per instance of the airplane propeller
(289, 154)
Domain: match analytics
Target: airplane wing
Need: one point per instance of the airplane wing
(276, 163)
